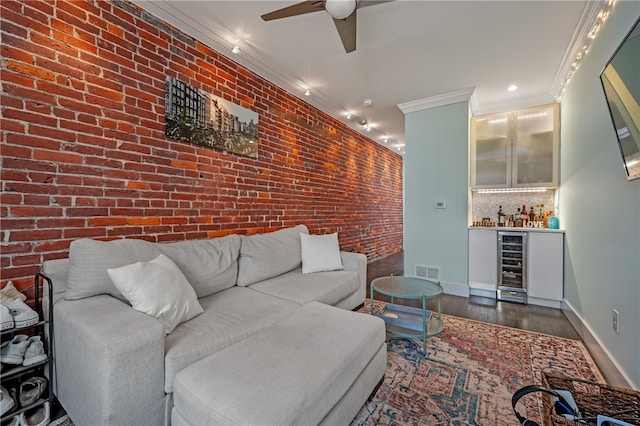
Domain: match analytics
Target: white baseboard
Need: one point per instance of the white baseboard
(544, 302)
(455, 289)
(590, 340)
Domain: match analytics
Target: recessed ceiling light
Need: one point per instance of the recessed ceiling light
(235, 49)
(512, 88)
(367, 102)
(307, 92)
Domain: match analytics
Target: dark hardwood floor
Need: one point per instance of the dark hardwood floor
(525, 317)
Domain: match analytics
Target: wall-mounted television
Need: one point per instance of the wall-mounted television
(621, 83)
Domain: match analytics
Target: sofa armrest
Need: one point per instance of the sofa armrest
(109, 362)
(357, 262)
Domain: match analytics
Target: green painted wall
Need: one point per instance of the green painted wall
(436, 164)
(599, 208)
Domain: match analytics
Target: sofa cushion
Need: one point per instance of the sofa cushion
(229, 316)
(210, 265)
(267, 255)
(325, 287)
(320, 253)
(89, 260)
(157, 288)
(294, 372)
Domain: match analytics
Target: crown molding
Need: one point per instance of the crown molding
(520, 103)
(579, 41)
(461, 95)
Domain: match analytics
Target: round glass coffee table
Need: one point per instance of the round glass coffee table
(407, 321)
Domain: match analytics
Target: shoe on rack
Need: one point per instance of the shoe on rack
(23, 315)
(6, 320)
(7, 403)
(15, 421)
(13, 353)
(37, 416)
(3, 349)
(9, 293)
(35, 352)
(31, 390)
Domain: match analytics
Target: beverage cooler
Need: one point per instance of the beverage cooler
(512, 266)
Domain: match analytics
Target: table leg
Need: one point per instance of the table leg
(424, 325)
(371, 299)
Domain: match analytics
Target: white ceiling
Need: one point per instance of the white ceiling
(406, 51)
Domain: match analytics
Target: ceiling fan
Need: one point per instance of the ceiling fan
(343, 13)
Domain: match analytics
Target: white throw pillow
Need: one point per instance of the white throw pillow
(158, 288)
(320, 253)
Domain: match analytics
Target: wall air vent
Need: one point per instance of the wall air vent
(428, 272)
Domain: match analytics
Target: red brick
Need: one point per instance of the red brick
(33, 211)
(74, 233)
(13, 248)
(59, 157)
(145, 221)
(86, 211)
(51, 246)
(107, 221)
(35, 235)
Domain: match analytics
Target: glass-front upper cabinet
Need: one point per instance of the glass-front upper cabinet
(516, 149)
(491, 150)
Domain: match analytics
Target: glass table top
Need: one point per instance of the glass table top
(408, 287)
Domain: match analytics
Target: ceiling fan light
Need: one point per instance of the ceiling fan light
(340, 9)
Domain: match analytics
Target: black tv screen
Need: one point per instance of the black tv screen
(621, 83)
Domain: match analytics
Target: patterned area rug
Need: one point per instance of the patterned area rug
(469, 374)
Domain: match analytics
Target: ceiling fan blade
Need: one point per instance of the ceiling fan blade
(294, 10)
(347, 31)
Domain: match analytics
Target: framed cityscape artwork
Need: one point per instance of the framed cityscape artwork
(200, 118)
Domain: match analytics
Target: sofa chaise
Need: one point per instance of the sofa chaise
(247, 330)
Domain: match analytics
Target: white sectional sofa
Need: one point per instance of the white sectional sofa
(263, 343)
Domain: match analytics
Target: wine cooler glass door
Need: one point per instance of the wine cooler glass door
(512, 266)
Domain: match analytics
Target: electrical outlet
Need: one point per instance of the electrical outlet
(616, 321)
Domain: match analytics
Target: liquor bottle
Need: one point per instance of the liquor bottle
(500, 217)
(525, 216)
(532, 214)
(517, 220)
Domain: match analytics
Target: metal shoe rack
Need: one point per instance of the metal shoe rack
(12, 377)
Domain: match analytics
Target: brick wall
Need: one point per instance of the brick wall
(84, 154)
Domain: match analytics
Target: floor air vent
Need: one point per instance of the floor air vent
(429, 272)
